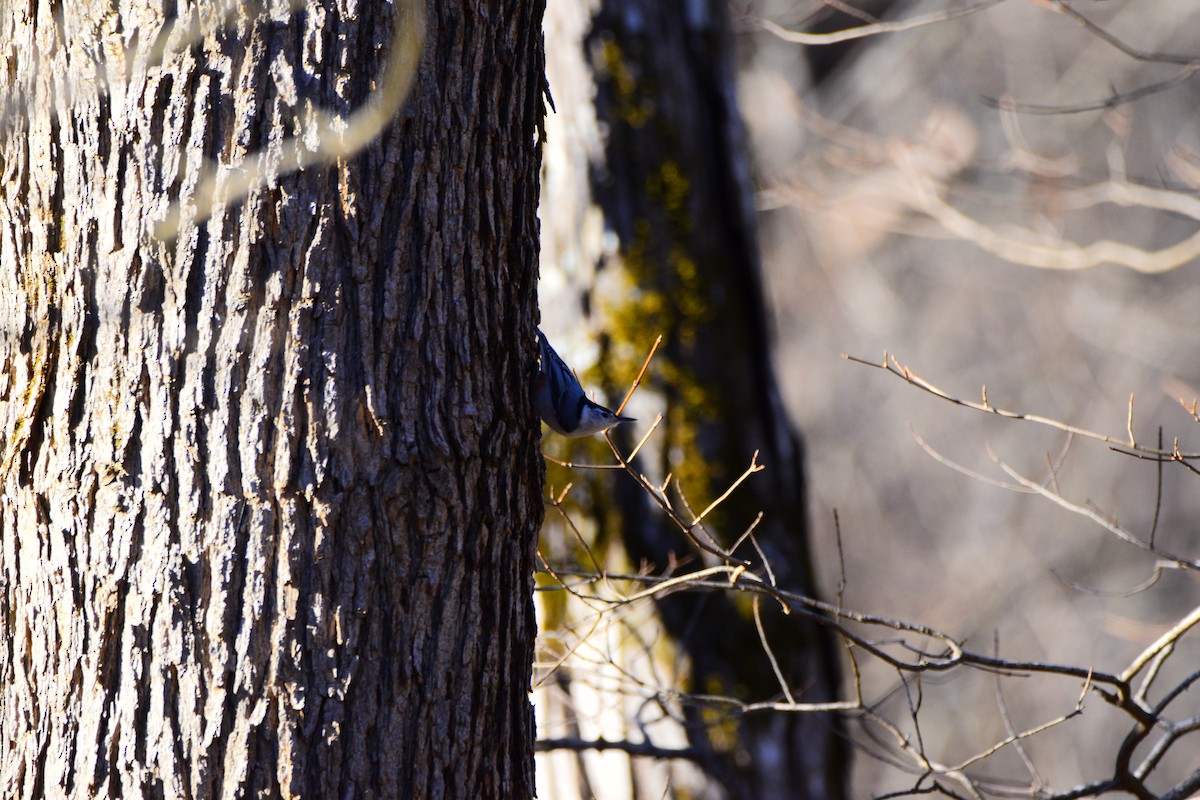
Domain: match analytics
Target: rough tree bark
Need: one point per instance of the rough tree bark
(271, 484)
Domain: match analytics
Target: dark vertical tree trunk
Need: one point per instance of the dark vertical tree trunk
(270, 480)
(675, 185)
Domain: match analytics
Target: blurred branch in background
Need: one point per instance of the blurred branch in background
(873, 26)
(918, 171)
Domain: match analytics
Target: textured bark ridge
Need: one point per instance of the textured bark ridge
(270, 486)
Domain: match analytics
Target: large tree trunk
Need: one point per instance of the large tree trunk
(271, 484)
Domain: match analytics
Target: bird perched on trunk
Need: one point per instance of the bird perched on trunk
(561, 401)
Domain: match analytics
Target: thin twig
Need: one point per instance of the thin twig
(1009, 727)
(1168, 639)
(1102, 34)
(1121, 533)
(1112, 101)
(753, 468)
(762, 637)
(638, 380)
(890, 364)
(941, 459)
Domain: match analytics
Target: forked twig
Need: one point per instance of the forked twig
(893, 366)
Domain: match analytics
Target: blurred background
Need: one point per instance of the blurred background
(1002, 198)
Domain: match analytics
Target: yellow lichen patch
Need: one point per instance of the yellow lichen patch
(632, 108)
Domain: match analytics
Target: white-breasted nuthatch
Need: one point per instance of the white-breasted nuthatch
(561, 401)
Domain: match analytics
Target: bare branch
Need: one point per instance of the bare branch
(1183, 75)
(892, 365)
(941, 459)
(1167, 640)
(1036, 249)
(1065, 7)
(750, 470)
(632, 748)
(762, 637)
(1095, 516)
(638, 380)
(873, 29)
(1011, 729)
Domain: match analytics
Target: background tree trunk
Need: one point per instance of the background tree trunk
(670, 172)
(270, 486)
(675, 186)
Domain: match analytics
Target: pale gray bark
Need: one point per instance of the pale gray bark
(270, 486)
